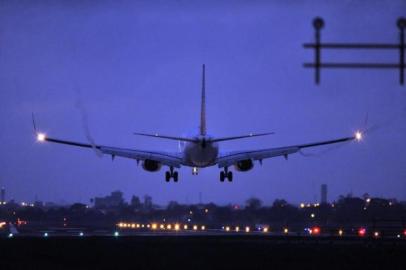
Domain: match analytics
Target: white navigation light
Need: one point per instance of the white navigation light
(41, 137)
(358, 135)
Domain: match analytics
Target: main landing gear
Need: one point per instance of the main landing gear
(226, 174)
(171, 174)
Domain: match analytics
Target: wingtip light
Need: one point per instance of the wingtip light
(41, 137)
(358, 135)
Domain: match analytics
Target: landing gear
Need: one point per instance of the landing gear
(226, 174)
(171, 174)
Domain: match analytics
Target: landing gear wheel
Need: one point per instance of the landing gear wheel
(167, 176)
(175, 176)
(222, 176)
(230, 176)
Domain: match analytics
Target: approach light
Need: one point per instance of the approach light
(41, 137)
(358, 135)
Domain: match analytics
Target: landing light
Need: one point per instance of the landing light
(358, 135)
(41, 137)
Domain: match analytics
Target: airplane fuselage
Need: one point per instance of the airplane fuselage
(202, 153)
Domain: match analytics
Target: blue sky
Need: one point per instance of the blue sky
(136, 66)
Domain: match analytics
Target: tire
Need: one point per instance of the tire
(230, 176)
(167, 176)
(175, 176)
(222, 176)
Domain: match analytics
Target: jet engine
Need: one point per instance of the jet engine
(244, 165)
(151, 165)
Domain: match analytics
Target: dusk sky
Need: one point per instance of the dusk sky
(136, 66)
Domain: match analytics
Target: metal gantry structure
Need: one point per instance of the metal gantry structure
(318, 46)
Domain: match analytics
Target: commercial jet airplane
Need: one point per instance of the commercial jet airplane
(200, 151)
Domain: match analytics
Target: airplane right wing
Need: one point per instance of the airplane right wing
(234, 157)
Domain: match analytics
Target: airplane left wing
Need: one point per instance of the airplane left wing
(234, 157)
(168, 159)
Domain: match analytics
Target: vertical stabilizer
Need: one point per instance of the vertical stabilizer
(203, 105)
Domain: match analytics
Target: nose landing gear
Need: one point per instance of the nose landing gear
(226, 175)
(171, 174)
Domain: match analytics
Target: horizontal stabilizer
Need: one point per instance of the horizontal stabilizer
(166, 137)
(240, 137)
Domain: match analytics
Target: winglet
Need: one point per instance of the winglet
(34, 124)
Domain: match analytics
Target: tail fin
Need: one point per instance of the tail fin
(203, 105)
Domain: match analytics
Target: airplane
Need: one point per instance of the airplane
(200, 151)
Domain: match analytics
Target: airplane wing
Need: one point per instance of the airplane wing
(234, 157)
(169, 159)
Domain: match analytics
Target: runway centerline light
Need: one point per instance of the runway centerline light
(41, 137)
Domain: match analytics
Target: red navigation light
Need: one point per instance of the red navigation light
(362, 232)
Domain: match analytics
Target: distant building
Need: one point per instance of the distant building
(3, 196)
(323, 193)
(113, 200)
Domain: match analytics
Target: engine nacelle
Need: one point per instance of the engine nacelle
(151, 165)
(244, 165)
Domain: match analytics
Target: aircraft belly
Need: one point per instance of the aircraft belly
(201, 157)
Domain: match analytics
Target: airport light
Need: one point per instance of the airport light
(237, 229)
(185, 227)
(315, 230)
(398, 236)
(206, 210)
(358, 135)
(162, 227)
(376, 234)
(312, 215)
(2, 224)
(154, 226)
(404, 232)
(302, 205)
(227, 229)
(41, 137)
(169, 226)
(81, 234)
(195, 227)
(46, 234)
(177, 227)
(137, 225)
(247, 229)
(10, 235)
(362, 232)
(285, 230)
(265, 230)
(203, 228)
(116, 234)
(340, 232)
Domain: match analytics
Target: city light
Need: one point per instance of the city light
(203, 228)
(285, 230)
(185, 227)
(41, 137)
(177, 227)
(340, 232)
(81, 234)
(237, 229)
(2, 224)
(265, 230)
(10, 235)
(195, 227)
(312, 215)
(376, 234)
(116, 234)
(404, 232)
(46, 234)
(227, 229)
(162, 226)
(169, 226)
(247, 229)
(302, 205)
(362, 232)
(154, 226)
